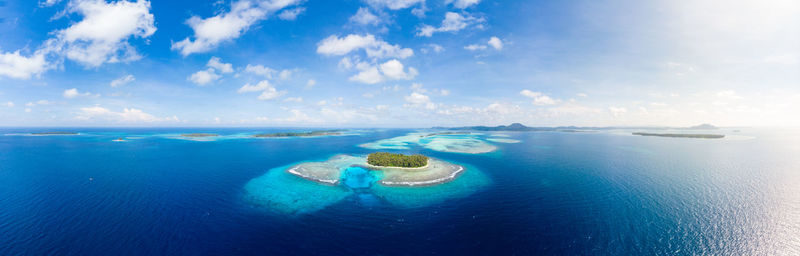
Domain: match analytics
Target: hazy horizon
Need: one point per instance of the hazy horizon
(399, 63)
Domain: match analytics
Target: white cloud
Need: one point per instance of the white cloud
(583, 95)
(475, 47)
(39, 103)
(291, 14)
(7, 104)
(432, 47)
(394, 4)
(260, 70)
(14, 65)
(444, 92)
(293, 99)
(496, 43)
(122, 81)
(462, 4)
(419, 100)
(539, 98)
(394, 70)
(260, 86)
(268, 92)
(204, 77)
(369, 75)
(102, 36)
(374, 48)
(310, 84)
(617, 111)
(74, 93)
(210, 32)
(453, 22)
(365, 17)
(127, 115)
(389, 70)
(285, 74)
(209, 75)
(217, 64)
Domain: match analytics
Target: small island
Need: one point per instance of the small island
(682, 135)
(384, 159)
(298, 134)
(199, 135)
(54, 133)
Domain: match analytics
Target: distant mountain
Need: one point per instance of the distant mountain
(702, 127)
(517, 127)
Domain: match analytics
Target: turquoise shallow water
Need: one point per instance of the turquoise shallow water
(598, 193)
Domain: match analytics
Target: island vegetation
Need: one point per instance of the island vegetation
(682, 135)
(385, 159)
(199, 135)
(54, 133)
(298, 134)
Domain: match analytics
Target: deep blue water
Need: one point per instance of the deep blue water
(554, 193)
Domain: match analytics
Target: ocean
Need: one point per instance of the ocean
(553, 193)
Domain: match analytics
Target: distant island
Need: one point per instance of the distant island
(682, 135)
(518, 127)
(54, 133)
(444, 133)
(385, 159)
(703, 127)
(299, 134)
(199, 135)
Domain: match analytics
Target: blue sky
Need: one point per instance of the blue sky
(398, 63)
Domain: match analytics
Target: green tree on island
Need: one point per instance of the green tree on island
(396, 160)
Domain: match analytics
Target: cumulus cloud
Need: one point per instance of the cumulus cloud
(394, 4)
(496, 43)
(122, 81)
(419, 100)
(493, 42)
(394, 70)
(210, 32)
(389, 70)
(127, 115)
(369, 75)
(260, 70)
(539, 98)
(291, 14)
(14, 65)
(365, 17)
(374, 48)
(204, 77)
(74, 93)
(462, 4)
(453, 22)
(268, 92)
(217, 64)
(103, 33)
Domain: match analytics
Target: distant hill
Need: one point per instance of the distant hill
(517, 127)
(703, 127)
